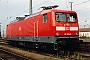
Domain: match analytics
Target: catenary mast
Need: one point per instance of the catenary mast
(30, 7)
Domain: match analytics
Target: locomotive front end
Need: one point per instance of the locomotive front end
(66, 30)
(66, 24)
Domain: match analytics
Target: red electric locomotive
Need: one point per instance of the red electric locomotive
(49, 29)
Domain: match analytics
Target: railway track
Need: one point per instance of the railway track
(84, 46)
(83, 53)
(26, 54)
(50, 55)
(13, 55)
(77, 56)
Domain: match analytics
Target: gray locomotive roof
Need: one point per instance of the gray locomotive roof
(35, 14)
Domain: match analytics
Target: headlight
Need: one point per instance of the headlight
(76, 33)
(57, 34)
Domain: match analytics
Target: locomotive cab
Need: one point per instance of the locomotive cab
(66, 24)
(66, 29)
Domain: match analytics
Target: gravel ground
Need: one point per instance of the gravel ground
(30, 54)
(4, 56)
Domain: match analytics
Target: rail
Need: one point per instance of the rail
(14, 54)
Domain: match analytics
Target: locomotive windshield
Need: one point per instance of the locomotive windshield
(71, 17)
(62, 17)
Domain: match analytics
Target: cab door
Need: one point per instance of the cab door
(36, 29)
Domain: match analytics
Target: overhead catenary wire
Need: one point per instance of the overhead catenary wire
(66, 3)
(78, 3)
(11, 7)
(25, 10)
(81, 3)
(84, 8)
(20, 2)
(22, 12)
(40, 4)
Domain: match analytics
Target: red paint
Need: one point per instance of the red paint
(34, 26)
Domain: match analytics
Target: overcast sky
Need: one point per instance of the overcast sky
(9, 9)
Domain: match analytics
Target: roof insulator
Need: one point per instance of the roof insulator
(49, 7)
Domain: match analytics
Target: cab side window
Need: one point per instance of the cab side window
(45, 18)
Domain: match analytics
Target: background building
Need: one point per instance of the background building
(84, 32)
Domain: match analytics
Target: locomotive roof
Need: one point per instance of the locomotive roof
(43, 12)
(46, 11)
(57, 10)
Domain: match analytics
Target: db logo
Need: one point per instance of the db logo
(67, 28)
(67, 24)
